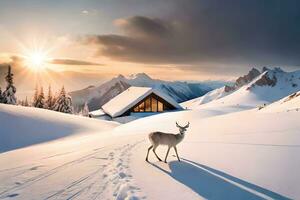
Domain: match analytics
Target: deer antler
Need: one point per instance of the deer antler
(187, 125)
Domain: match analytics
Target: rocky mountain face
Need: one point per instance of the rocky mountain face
(277, 78)
(266, 86)
(243, 80)
(98, 96)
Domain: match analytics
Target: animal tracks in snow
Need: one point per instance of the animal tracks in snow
(101, 172)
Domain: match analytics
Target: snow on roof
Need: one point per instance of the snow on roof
(98, 112)
(127, 99)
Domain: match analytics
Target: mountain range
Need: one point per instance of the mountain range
(96, 96)
(254, 89)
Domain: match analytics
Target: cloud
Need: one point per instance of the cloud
(72, 62)
(230, 32)
(85, 12)
(145, 27)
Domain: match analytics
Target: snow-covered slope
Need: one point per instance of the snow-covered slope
(243, 155)
(270, 86)
(98, 96)
(208, 97)
(290, 103)
(223, 91)
(24, 126)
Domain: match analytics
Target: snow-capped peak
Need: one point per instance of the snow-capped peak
(251, 90)
(276, 77)
(120, 76)
(143, 76)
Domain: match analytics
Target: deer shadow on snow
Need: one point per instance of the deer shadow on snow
(210, 183)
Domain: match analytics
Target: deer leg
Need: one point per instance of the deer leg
(148, 152)
(176, 153)
(155, 153)
(167, 154)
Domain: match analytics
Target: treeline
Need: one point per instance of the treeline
(61, 102)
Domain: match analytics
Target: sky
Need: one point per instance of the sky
(79, 43)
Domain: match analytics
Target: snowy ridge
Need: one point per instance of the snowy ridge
(208, 97)
(286, 104)
(271, 85)
(223, 91)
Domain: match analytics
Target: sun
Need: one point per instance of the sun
(36, 60)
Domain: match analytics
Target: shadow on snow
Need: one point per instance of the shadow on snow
(214, 184)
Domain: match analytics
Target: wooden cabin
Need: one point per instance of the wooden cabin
(139, 100)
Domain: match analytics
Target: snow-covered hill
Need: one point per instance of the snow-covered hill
(180, 91)
(271, 85)
(24, 126)
(289, 103)
(242, 155)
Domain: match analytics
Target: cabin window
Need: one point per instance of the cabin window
(160, 106)
(154, 104)
(142, 107)
(136, 109)
(148, 105)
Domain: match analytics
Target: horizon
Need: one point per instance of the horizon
(94, 83)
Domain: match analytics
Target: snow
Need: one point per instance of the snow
(243, 148)
(230, 152)
(24, 126)
(290, 103)
(208, 97)
(127, 99)
(97, 113)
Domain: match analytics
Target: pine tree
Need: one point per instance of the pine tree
(1, 96)
(40, 103)
(54, 98)
(9, 94)
(50, 99)
(35, 97)
(26, 102)
(63, 102)
(85, 111)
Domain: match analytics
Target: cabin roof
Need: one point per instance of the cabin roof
(130, 97)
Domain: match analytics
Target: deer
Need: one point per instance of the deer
(171, 140)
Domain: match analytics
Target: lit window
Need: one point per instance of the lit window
(160, 106)
(142, 107)
(136, 109)
(148, 105)
(154, 104)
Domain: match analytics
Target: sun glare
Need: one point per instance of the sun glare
(36, 60)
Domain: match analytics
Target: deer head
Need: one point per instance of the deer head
(182, 129)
